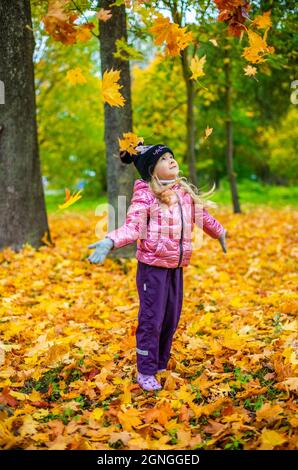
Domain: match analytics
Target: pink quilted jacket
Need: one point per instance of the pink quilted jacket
(163, 232)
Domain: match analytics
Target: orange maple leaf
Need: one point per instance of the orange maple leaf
(176, 38)
(258, 47)
(70, 199)
(160, 413)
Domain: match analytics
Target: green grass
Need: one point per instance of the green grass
(250, 193)
(256, 193)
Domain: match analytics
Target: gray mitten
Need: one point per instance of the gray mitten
(102, 249)
(222, 241)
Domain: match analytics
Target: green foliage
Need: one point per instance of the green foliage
(283, 147)
(71, 117)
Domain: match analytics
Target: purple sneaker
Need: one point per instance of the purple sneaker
(148, 382)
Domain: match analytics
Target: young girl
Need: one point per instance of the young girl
(162, 214)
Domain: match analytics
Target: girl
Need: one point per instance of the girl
(162, 213)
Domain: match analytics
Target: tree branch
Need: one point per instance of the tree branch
(83, 14)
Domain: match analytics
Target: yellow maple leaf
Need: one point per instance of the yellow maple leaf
(129, 419)
(290, 356)
(18, 395)
(271, 439)
(97, 414)
(126, 396)
(75, 76)
(29, 426)
(185, 395)
(232, 340)
(208, 131)
(196, 66)
(34, 396)
(110, 88)
(183, 38)
(106, 391)
(70, 199)
(129, 142)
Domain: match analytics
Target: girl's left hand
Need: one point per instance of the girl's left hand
(222, 241)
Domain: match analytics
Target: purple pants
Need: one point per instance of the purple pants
(161, 297)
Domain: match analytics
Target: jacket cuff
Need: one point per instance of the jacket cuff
(112, 242)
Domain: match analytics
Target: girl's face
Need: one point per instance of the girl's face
(166, 167)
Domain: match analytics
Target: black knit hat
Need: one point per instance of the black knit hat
(146, 158)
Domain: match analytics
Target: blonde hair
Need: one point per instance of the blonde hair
(163, 192)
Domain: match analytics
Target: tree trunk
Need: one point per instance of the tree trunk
(120, 176)
(190, 121)
(22, 206)
(229, 128)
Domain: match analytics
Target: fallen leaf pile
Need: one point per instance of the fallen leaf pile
(67, 348)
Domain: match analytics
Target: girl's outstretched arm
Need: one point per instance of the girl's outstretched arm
(208, 223)
(211, 226)
(135, 225)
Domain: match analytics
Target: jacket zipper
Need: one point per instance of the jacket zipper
(181, 237)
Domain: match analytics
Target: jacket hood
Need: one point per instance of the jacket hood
(142, 184)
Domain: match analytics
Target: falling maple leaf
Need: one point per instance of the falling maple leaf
(263, 21)
(208, 131)
(129, 142)
(258, 47)
(70, 199)
(214, 42)
(84, 32)
(75, 76)
(176, 38)
(60, 23)
(104, 15)
(250, 71)
(234, 13)
(196, 66)
(110, 88)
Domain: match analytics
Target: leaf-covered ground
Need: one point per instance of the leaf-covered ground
(67, 350)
